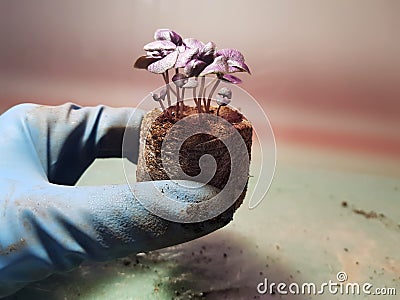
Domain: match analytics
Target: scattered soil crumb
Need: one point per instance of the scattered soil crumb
(126, 261)
(346, 250)
(344, 204)
(387, 222)
(13, 247)
(368, 215)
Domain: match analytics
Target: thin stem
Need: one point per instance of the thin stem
(178, 94)
(162, 106)
(219, 107)
(200, 97)
(195, 95)
(204, 99)
(172, 91)
(197, 102)
(201, 87)
(177, 100)
(183, 94)
(182, 99)
(211, 82)
(177, 109)
(166, 79)
(211, 94)
(203, 93)
(199, 109)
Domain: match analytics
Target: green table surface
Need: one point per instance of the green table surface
(315, 222)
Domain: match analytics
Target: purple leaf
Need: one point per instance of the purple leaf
(163, 93)
(207, 52)
(193, 43)
(194, 67)
(223, 101)
(234, 59)
(232, 69)
(231, 54)
(143, 62)
(209, 47)
(184, 57)
(164, 64)
(218, 66)
(155, 54)
(231, 79)
(159, 45)
(236, 66)
(168, 35)
(179, 79)
(155, 97)
(225, 92)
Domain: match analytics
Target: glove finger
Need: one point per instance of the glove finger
(64, 225)
(68, 138)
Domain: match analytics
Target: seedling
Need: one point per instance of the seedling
(224, 97)
(192, 61)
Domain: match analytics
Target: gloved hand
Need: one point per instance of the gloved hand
(47, 224)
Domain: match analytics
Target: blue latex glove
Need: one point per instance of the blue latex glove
(47, 224)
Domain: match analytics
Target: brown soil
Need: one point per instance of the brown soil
(156, 126)
(368, 215)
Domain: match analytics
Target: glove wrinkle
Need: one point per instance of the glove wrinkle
(79, 147)
(61, 258)
(90, 246)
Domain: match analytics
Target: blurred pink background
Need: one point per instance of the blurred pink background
(326, 73)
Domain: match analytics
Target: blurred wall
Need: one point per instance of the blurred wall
(326, 72)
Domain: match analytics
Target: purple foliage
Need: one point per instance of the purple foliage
(170, 51)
